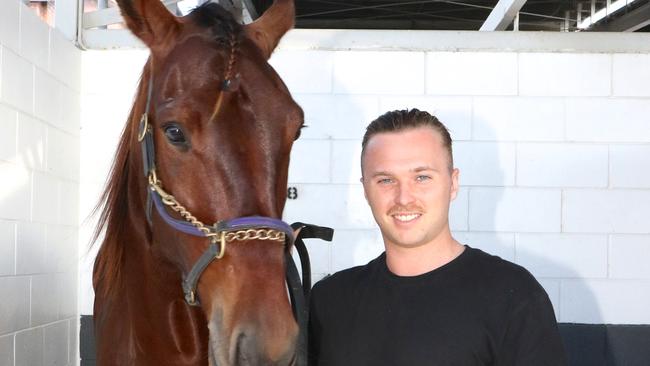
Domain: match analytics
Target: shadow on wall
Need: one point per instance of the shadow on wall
(523, 225)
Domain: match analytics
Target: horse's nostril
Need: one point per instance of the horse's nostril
(249, 352)
(246, 352)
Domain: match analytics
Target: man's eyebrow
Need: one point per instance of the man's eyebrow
(380, 174)
(423, 168)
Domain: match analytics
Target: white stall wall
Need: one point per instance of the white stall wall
(39, 191)
(553, 148)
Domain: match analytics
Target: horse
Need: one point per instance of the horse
(171, 289)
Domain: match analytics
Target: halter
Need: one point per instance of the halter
(225, 231)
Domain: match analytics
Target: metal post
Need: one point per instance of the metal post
(567, 17)
(593, 8)
(579, 13)
(101, 4)
(515, 24)
(66, 18)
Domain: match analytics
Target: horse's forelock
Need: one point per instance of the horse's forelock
(214, 17)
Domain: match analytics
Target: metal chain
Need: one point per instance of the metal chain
(240, 235)
(252, 234)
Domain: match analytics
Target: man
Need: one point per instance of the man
(428, 299)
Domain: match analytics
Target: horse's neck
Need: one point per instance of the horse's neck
(148, 311)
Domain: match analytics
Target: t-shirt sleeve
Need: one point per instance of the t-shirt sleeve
(532, 337)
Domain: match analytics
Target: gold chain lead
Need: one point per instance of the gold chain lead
(240, 235)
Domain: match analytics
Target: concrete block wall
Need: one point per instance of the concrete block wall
(553, 149)
(39, 175)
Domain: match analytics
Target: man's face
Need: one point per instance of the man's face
(409, 186)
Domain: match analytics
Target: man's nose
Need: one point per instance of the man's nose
(404, 194)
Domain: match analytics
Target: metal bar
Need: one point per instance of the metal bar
(108, 16)
(515, 25)
(630, 22)
(593, 8)
(446, 2)
(567, 18)
(369, 7)
(502, 15)
(250, 7)
(66, 18)
(579, 13)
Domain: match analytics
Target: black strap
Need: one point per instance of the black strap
(308, 231)
(191, 280)
(300, 309)
(299, 292)
(146, 145)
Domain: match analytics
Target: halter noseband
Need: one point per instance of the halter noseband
(220, 233)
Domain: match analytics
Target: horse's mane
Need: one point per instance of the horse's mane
(113, 204)
(114, 201)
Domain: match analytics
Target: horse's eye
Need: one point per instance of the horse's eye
(174, 134)
(298, 132)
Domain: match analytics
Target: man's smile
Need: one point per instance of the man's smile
(404, 217)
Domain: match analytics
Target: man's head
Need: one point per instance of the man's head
(408, 177)
(401, 120)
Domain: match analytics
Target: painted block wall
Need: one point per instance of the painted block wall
(553, 149)
(39, 185)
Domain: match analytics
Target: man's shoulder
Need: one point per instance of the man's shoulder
(495, 271)
(349, 278)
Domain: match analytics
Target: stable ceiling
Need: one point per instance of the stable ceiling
(546, 15)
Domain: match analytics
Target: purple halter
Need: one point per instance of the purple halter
(214, 251)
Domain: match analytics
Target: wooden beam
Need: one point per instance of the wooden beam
(502, 15)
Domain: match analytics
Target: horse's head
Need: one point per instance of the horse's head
(223, 124)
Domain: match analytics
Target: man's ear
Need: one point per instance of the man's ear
(365, 195)
(149, 20)
(267, 30)
(454, 183)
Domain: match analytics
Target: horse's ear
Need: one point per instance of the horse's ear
(149, 20)
(267, 30)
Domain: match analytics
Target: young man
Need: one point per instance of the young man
(428, 299)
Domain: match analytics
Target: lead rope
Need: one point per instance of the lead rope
(299, 292)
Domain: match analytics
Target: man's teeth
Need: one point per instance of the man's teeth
(406, 217)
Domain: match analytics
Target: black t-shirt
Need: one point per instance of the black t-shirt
(476, 310)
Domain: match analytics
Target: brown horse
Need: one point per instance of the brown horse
(223, 124)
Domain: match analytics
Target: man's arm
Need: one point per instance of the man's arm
(532, 337)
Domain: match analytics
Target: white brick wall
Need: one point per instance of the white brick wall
(366, 73)
(564, 74)
(631, 75)
(628, 255)
(483, 73)
(510, 119)
(561, 165)
(628, 166)
(608, 119)
(514, 209)
(553, 147)
(39, 171)
(606, 211)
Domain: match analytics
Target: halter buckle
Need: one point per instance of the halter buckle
(222, 247)
(191, 298)
(143, 127)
